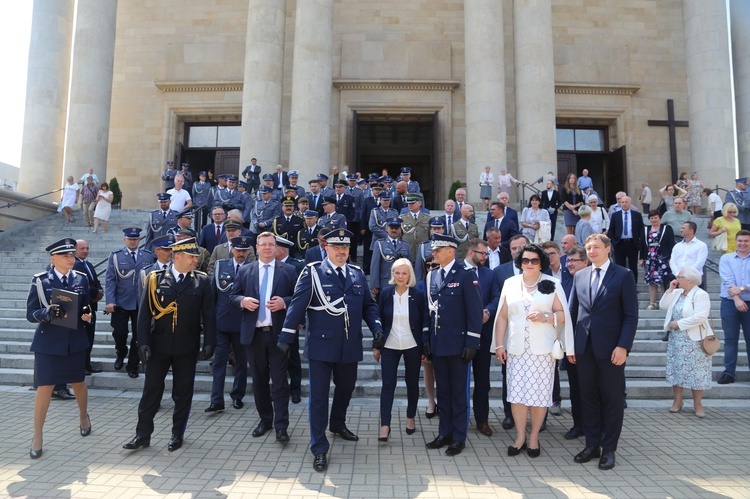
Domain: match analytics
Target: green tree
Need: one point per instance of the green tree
(114, 186)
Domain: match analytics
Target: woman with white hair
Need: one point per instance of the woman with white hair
(486, 181)
(688, 366)
(69, 199)
(583, 227)
(504, 181)
(599, 218)
(403, 311)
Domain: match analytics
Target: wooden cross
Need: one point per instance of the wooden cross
(672, 124)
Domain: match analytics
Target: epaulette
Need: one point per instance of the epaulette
(199, 272)
(40, 274)
(312, 264)
(157, 271)
(79, 272)
(145, 250)
(354, 266)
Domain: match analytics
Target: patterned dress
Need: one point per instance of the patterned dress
(687, 365)
(656, 265)
(694, 190)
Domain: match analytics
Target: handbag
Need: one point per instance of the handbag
(710, 343)
(558, 352)
(720, 242)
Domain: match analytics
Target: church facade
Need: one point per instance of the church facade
(445, 87)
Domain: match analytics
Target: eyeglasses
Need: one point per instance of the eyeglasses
(575, 260)
(532, 261)
(483, 253)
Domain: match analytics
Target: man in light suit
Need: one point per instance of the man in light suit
(604, 310)
(263, 290)
(475, 262)
(626, 231)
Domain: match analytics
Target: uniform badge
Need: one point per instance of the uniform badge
(454, 284)
(223, 283)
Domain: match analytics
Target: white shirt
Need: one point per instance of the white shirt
(264, 299)
(557, 275)
(60, 276)
(602, 273)
(716, 200)
(176, 273)
(494, 257)
(179, 199)
(400, 337)
(688, 254)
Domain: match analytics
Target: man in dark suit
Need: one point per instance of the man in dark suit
(212, 233)
(604, 310)
(317, 252)
(475, 262)
(252, 175)
(345, 205)
(626, 231)
(510, 213)
(263, 290)
(307, 236)
(315, 196)
(496, 218)
(96, 292)
(551, 202)
(177, 304)
(451, 342)
(368, 204)
(280, 178)
(335, 297)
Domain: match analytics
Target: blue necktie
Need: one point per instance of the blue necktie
(625, 227)
(262, 297)
(595, 285)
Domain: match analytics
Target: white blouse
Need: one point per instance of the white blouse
(486, 179)
(400, 337)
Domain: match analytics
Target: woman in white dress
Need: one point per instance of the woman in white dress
(69, 199)
(486, 181)
(531, 311)
(531, 216)
(103, 206)
(599, 219)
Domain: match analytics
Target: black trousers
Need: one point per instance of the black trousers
(268, 367)
(90, 333)
(344, 378)
(119, 323)
(389, 361)
(295, 368)
(626, 254)
(183, 380)
(452, 390)
(601, 385)
(575, 394)
(366, 251)
(354, 228)
(481, 371)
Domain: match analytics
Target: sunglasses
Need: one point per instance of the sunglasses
(532, 261)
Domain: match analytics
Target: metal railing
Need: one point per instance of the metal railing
(523, 200)
(24, 200)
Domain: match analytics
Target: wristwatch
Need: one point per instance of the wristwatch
(546, 316)
(743, 288)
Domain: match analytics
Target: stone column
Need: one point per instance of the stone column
(535, 88)
(712, 148)
(46, 97)
(739, 15)
(261, 97)
(485, 91)
(91, 89)
(310, 128)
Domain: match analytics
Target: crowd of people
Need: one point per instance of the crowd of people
(277, 260)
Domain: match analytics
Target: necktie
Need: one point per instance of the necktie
(625, 226)
(341, 276)
(288, 219)
(180, 278)
(236, 269)
(338, 198)
(315, 201)
(442, 276)
(595, 285)
(132, 254)
(218, 234)
(497, 223)
(262, 297)
(164, 215)
(450, 219)
(65, 281)
(394, 244)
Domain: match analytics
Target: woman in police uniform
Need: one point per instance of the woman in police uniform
(59, 352)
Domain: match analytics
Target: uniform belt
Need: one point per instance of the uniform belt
(264, 329)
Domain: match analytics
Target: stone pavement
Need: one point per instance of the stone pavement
(660, 455)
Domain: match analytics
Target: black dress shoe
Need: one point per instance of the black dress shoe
(607, 461)
(132, 374)
(345, 434)
(262, 429)
(119, 362)
(430, 415)
(320, 463)
(282, 436)
(508, 423)
(410, 431)
(573, 433)
(296, 398)
(174, 443)
(455, 448)
(534, 452)
(91, 369)
(238, 404)
(63, 394)
(587, 454)
(137, 443)
(214, 408)
(35, 454)
(440, 442)
(725, 379)
(514, 451)
(484, 429)
(85, 432)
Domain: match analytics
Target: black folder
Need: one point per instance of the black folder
(69, 303)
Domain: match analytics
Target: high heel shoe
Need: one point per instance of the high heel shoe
(674, 411)
(385, 439)
(514, 451)
(85, 432)
(410, 431)
(35, 454)
(430, 415)
(534, 452)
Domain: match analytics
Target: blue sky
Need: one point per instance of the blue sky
(15, 31)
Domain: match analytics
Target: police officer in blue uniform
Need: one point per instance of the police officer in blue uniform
(335, 297)
(412, 186)
(287, 225)
(324, 189)
(122, 287)
(163, 252)
(228, 320)
(168, 176)
(59, 351)
(308, 235)
(175, 306)
(96, 293)
(187, 177)
(234, 200)
(330, 218)
(248, 202)
(219, 193)
(265, 211)
(455, 304)
(386, 252)
(424, 251)
(161, 220)
(201, 194)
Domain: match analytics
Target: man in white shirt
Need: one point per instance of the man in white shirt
(691, 252)
(496, 254)
(180, 197)
(450, 213)
(89, 173)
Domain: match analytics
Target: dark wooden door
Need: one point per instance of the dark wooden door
(354, 153)
(433, 195)
(615, 174)
(566, 163)
(227, 162)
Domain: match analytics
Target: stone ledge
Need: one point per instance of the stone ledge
(199, 86)
(596, 89)
(419, 85)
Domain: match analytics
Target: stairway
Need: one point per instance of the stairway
(22, 255)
